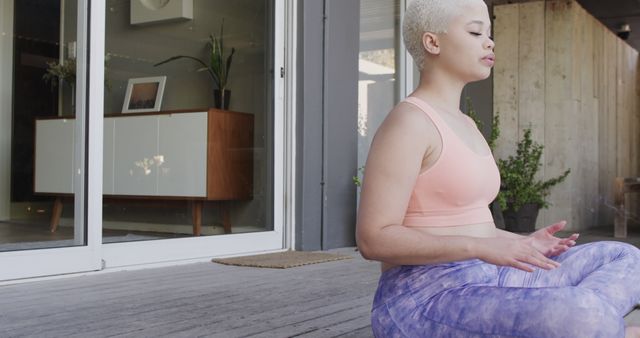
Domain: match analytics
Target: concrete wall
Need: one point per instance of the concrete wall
(327, 120)
(574, 82)
(6, 76)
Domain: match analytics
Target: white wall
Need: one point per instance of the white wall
(6, 60)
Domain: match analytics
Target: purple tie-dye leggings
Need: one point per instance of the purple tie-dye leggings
(597, 284)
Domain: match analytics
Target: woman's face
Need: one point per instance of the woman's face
(466, 50)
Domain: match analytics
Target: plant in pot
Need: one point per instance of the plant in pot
(63, 72)
(521, 194)
(218, 67)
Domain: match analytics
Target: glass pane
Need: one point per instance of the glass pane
(378, 85)
(37, 124)
(188, 132)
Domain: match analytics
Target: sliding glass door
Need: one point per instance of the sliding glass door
(111, 157)
(44, 139)
(190, 137)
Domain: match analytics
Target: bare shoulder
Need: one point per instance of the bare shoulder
(407, 122)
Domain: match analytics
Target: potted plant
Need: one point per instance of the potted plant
(218, 67)
(521, 194)
(63, 72)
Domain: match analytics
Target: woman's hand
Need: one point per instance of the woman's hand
(519, 253)
(545, 241)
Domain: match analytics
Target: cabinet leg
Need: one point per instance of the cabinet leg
(55, 214)
(226, 218)
(197, 217)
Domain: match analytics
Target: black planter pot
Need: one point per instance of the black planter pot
(217, 99)
(496, 213)
(523, 220)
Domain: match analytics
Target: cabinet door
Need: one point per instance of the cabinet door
(135, 165)
(183, 150)
(107, 162)
(54, 156)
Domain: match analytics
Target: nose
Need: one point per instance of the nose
(489, 44)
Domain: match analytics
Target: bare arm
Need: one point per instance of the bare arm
(507, 234)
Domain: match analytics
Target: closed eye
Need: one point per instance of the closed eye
(479, 34)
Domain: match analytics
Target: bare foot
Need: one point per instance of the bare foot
(632, 332)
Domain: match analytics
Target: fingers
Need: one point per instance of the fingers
(570, 241)
(558, 249)
(526, 265)
(521, 266)
(552, 229)
(534, 257)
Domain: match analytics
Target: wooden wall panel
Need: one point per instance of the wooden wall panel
(587, 132)
(561, 107)
(599, 84)
(505, 77)
(621, 118)
(608, 126)
(531, 60)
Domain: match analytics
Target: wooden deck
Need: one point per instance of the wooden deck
(204, 299)
(201, 300)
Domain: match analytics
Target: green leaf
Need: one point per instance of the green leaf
(217, 68)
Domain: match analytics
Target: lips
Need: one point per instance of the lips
(489, 59)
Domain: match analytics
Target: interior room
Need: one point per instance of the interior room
(181, 157)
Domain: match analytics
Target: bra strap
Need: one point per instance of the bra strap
(429, 111)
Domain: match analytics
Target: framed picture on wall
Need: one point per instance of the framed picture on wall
(144, 94)
(155, 11)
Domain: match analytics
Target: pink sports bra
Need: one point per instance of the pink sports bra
(458, 188)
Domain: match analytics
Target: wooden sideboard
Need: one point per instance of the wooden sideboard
(201, 155)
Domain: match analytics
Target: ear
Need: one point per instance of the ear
(431, 43)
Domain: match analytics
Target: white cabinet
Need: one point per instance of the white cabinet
(182, 155)
(54, 161)
(154, 155)
(108, 157)
(161, 155)
(202, 155)
(135, 145)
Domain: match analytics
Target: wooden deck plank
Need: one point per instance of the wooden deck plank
(212, 319)
(346, 327)
(318, 323)
(364, 332)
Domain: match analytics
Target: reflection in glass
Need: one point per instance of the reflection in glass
(37, 133)
(190, 169)
(378, 83)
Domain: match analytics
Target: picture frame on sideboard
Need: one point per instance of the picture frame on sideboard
(144, 94)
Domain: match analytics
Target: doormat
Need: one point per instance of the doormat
(282, 260)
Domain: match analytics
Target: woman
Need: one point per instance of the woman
(447, 270)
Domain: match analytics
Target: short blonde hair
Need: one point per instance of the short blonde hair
(424, 16)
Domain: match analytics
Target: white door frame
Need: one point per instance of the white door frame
(45, 262)
(96, 256)
(171, 251)
(407, 66)
(6, 72)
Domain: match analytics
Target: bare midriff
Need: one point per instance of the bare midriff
(481, 230)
